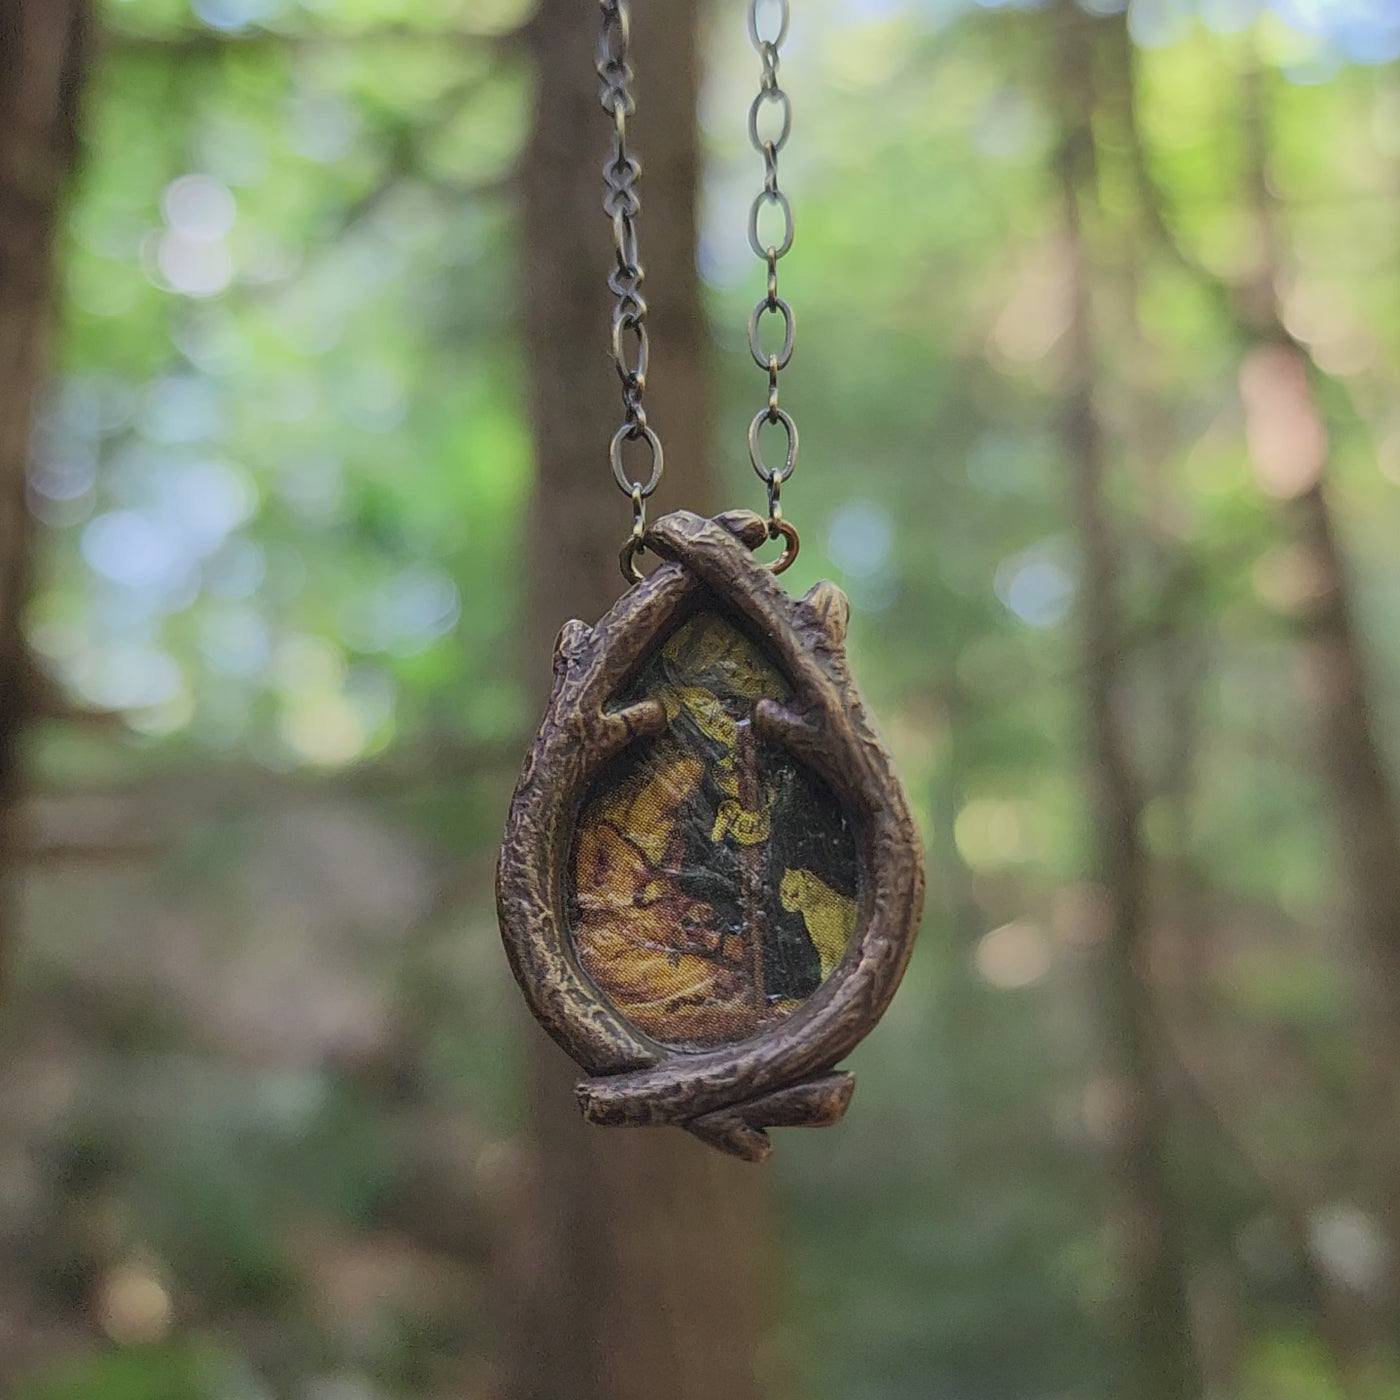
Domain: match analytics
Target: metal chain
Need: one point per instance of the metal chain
(631, 348)
(771, 94)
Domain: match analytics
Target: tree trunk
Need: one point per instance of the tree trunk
(1288, 445)
(43, 54)
(1153, 1310)
(1369, 831)
(642, 1271)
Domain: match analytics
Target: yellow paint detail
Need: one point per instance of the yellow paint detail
(651, 950)
(707, 712)
(830, 917)
(709, 646)
(642, 811)
(747, 828)
(712, 720)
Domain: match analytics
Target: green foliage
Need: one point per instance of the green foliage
(283, 478)
(182, 1373)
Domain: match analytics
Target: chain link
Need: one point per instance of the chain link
(631, 347)
(771, 251)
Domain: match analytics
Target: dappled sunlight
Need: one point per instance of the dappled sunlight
(1121, 561)
(1013, 956)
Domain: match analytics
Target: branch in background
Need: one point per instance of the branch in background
(196, 44)
(405, 155)
(406, 160)
(133, 819)
(1251, 307)
(47, 702)
(60, 830)
(1151, 197)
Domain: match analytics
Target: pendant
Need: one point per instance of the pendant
(710, 880)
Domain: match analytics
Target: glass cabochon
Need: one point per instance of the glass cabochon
(712, 878)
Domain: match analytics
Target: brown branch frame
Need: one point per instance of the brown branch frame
(782, 1076)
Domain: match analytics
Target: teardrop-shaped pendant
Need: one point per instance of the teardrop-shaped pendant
(710, 880)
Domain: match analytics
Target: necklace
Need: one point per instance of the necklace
(710, 879)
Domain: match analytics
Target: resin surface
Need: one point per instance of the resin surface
(713, 879)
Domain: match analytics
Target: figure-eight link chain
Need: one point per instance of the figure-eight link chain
(630, 347)
(771, 94)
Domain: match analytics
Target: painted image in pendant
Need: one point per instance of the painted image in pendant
(713, 878)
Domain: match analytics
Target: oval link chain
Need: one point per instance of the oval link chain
(631, 348)
(771, 94)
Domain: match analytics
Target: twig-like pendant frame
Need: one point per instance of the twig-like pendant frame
(783, 1074)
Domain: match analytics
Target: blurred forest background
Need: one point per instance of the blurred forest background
(1099, 332)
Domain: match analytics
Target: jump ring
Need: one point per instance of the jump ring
(629, 432)
(627, 559)
(792, 543)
